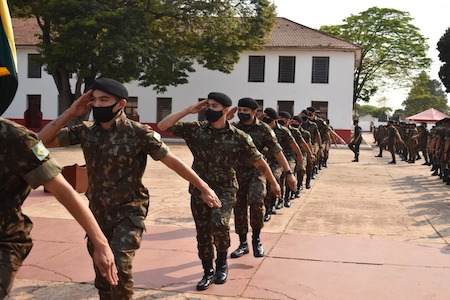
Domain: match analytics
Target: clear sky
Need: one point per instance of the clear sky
(432, 17)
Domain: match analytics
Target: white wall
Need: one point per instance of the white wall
(338, 92)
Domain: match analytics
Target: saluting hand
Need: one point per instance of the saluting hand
(198, 107)
(231, 113)
(82, 105)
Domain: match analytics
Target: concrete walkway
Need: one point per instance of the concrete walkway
(366, 230)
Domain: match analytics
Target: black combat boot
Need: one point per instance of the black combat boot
(208, 276)
(272, 209)
(356, 158)
(221, 274)
(279, 204)
(445, 176)
(308, 182)
(243, 247)
(258, 249)
(287, 202)
(436, 171)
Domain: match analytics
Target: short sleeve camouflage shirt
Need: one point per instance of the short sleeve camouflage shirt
(116, 161)
(216, 151)
(24, 164)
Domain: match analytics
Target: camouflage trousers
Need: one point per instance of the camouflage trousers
(15, 245)
(213, 224)
(285, 190)
(277, 171)
(251, 193)
(124, 239)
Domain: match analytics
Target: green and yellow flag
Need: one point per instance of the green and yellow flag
(8, 59)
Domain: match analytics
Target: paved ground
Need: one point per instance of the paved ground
(364, 230)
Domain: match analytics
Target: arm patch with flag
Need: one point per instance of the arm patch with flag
(8, 59)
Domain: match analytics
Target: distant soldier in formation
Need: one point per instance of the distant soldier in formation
(356, 140)
(252, 186)
(392, 138)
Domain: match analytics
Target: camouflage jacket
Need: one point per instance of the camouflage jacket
(312, 129)
(116, 160)
(216, 151)
(285, 139)
(298, 137)
(322, 127)
(24, 164)
(264, 138)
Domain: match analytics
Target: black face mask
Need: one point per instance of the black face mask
(212, 115)
(267, 120)
(243, 117)
(281, 122)
(304, 119)
(104, 114)
(295, 125)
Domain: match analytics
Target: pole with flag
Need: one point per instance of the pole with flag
(8, 59)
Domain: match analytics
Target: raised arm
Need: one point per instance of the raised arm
(80, 107)
(173, 118)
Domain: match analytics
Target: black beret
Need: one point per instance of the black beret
(221, 98)
(271, 113)
(110, 86)
(311, 109)
(297, 118)
(248, 102)
(306, 112)
(285, 114)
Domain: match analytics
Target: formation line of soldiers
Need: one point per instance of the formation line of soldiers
(409, 141)
(257, 163)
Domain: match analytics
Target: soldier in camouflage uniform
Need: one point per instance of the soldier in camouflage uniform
(316, 142)
(216, 146)
(115, 149)
(391, 140)
(286, 120)
(356, 140)
(440, 133)
(324, 131)
(421, 139)
(252, 186)
(411, 143)
(25, 164)
(308, 155)
(290, 149)
(431, 145)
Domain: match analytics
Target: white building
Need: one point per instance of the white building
(299, 67)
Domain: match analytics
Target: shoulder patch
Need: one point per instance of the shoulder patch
(157, 136)
(249, 139)
(40, 151)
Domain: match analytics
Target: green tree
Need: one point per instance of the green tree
(425, 94)
(154, 42)
(393, 49)
(398, 114)
(382, 113)
(443, 46)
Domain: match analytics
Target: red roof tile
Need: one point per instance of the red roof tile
(285, 34)
(25, 31)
